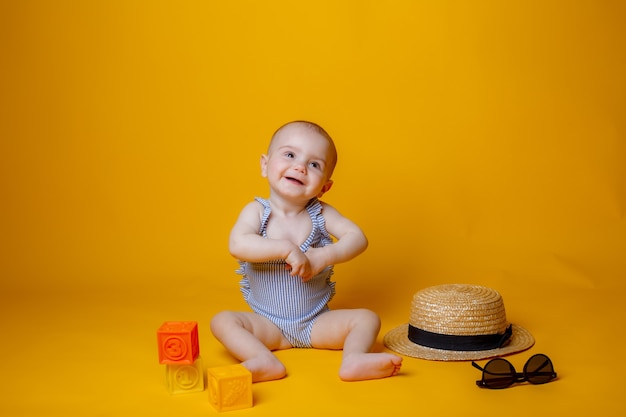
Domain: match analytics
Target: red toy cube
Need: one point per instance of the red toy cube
(178, 342)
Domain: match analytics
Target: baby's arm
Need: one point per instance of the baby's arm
(246, 244)
(351, 241)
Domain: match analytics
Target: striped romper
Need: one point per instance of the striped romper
(286, 301)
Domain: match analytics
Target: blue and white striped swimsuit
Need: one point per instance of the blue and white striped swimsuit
(286, 301)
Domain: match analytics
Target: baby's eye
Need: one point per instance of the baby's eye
(289, 154)
(315, 165)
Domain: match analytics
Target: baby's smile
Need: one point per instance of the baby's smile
(292, 179)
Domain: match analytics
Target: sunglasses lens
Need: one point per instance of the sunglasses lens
(498, 373)
(539, 369)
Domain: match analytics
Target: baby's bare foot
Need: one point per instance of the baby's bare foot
(265, 368)
(362, 366)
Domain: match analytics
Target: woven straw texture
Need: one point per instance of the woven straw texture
(460, 310)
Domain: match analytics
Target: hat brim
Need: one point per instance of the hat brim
(397, 340)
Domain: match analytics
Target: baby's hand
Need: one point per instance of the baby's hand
(298, 265)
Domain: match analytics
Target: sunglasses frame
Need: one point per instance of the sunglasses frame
(506, 380)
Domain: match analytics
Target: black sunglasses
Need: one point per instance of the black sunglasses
(499, 373)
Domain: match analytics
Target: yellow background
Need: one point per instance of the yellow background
(480, 142)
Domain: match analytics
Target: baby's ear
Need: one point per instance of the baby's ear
(264, 166)
(325, 188)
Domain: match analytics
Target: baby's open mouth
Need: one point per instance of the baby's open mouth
(294, 180)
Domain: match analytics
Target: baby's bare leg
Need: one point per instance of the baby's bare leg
(355, 332)
(251, 338)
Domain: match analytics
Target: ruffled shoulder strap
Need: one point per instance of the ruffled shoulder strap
(319, 235)
(266, 215)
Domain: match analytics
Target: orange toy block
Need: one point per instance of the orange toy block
(230, 387)
(178, 342)
(181, 379)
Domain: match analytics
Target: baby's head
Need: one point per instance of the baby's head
(284, 130)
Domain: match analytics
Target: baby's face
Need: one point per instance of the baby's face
(298, 163)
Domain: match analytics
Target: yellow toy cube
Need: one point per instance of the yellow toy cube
(230, 387)
(183, 378)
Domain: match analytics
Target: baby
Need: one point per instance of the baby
(286, 250)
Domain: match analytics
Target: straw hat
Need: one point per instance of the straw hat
(458, 322)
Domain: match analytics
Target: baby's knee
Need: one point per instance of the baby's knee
(222, 321)
(369, 317)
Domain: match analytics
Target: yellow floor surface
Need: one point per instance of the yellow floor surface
(79, 353)
(480, 142)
